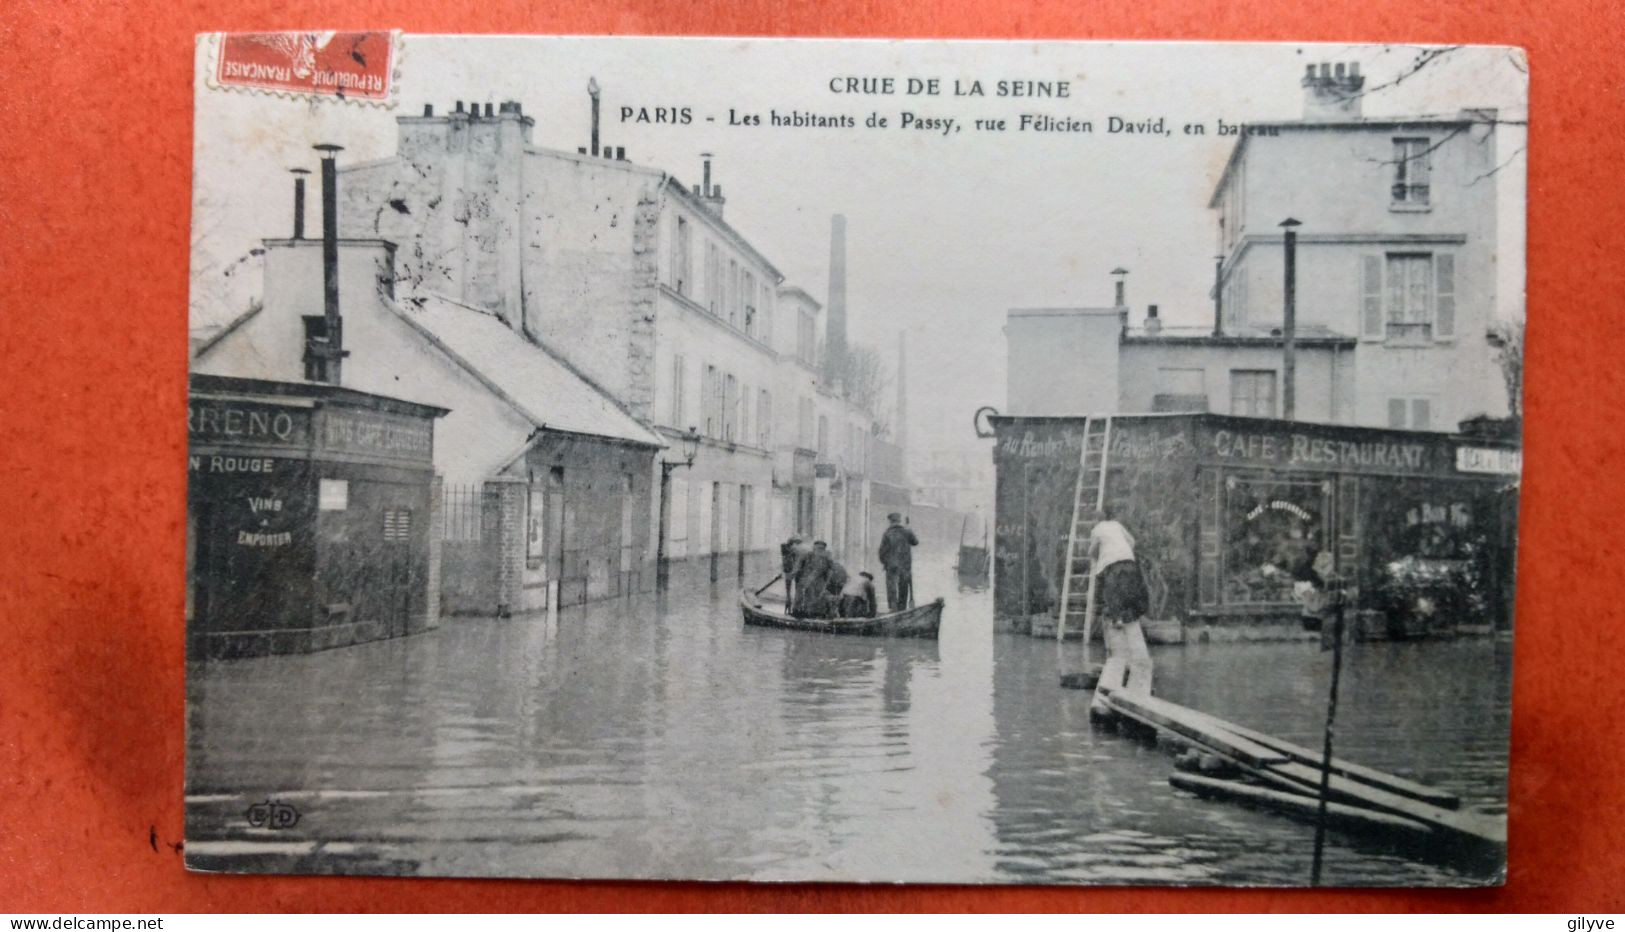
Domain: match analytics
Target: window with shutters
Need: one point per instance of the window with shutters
(710, 401)
(1408, 297)
(1252, 392)
(713, 278)
(764, 418)
(682, 259)
(679, 369)
(730, 408)
(1410, 412)
(397, 526)
(1412, 172)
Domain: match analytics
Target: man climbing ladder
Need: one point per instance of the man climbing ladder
(1120, 592)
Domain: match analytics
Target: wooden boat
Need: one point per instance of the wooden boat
(921, 621)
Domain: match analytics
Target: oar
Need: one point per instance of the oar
(769, 583)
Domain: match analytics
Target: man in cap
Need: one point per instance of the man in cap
(897, 559)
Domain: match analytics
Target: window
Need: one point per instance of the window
(713, 278)
(1408, 297)
(1410, 413)
(750, 304)
(316, 345)
(678, 371)
(730, 408)
(806, 339)
(732, 289)
(764, 418)
(764, 310)
(682, 259)
(1411, 172)
(711, 401)
(1252, 392)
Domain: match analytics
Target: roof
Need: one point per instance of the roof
(1065, 312)
(205, 385)
(1305, 335)
(539, 385)
(1274, 126)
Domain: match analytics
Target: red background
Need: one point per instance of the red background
(95, 146)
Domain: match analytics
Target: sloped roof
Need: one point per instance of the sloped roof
(539, 385)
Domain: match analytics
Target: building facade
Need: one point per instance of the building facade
(1395, 275)
(546, 489)
(639, 285)
(1421, 524)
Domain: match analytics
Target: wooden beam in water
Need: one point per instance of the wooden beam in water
(1368, 775)
(1189, 724)
(1473, 829)
(1338, 815)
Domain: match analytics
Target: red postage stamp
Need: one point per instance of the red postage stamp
(352, 65)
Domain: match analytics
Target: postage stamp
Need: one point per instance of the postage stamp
(344, 65)
(777, 460)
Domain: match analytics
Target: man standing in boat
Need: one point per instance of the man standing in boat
(897, 559)
(1121, 594)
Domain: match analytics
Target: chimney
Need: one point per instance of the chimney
(1153, 323)
(620, 153)
(592, 91)
(1332, 92)
(299, 201)
(710, 195)
(1120, 288)
(428, 110)
(459, 106)
(331, 348)
(835, 324)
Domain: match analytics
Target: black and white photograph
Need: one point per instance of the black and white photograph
(972, 462)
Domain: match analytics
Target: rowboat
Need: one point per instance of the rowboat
(921, 621)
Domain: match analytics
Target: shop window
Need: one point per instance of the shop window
(1252, 392)
(1273, 531)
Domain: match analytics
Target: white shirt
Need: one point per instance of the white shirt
(1111, 543)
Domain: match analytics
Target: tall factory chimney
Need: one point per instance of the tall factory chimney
(835, 326)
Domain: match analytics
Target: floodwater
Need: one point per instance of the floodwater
(624, 739)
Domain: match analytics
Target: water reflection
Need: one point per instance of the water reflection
(667, 740)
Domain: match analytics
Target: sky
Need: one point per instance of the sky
(945, 231)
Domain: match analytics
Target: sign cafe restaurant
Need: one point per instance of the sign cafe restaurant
(1420, 525)
(307, 516)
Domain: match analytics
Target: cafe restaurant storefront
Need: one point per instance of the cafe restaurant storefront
(1421, 525)
(308, 517)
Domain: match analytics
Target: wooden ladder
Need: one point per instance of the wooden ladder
(1086, 502)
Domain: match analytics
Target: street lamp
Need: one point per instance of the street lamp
(1289, 321)
(691, 448)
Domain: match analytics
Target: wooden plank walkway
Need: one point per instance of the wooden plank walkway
(1466, 832)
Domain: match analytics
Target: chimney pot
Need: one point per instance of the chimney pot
(1354, 69)
(1339, 69)
(620, 153)
(716, 191)
(488, 111)
(581, 149)
(459, 106)
(428, 110)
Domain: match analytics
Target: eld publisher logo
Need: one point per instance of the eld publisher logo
(353, 65)
(272, 815)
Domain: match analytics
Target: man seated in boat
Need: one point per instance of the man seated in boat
(838, 577)
(858, 596)
(812, 582)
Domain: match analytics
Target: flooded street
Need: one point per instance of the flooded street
(635, 740)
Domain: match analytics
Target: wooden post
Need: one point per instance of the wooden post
(1331, 719)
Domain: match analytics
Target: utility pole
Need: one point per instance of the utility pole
(1289, 323)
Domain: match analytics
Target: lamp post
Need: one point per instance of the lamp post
(1289, 322)
(691, 447)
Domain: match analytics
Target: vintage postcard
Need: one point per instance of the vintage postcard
(871, 461)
